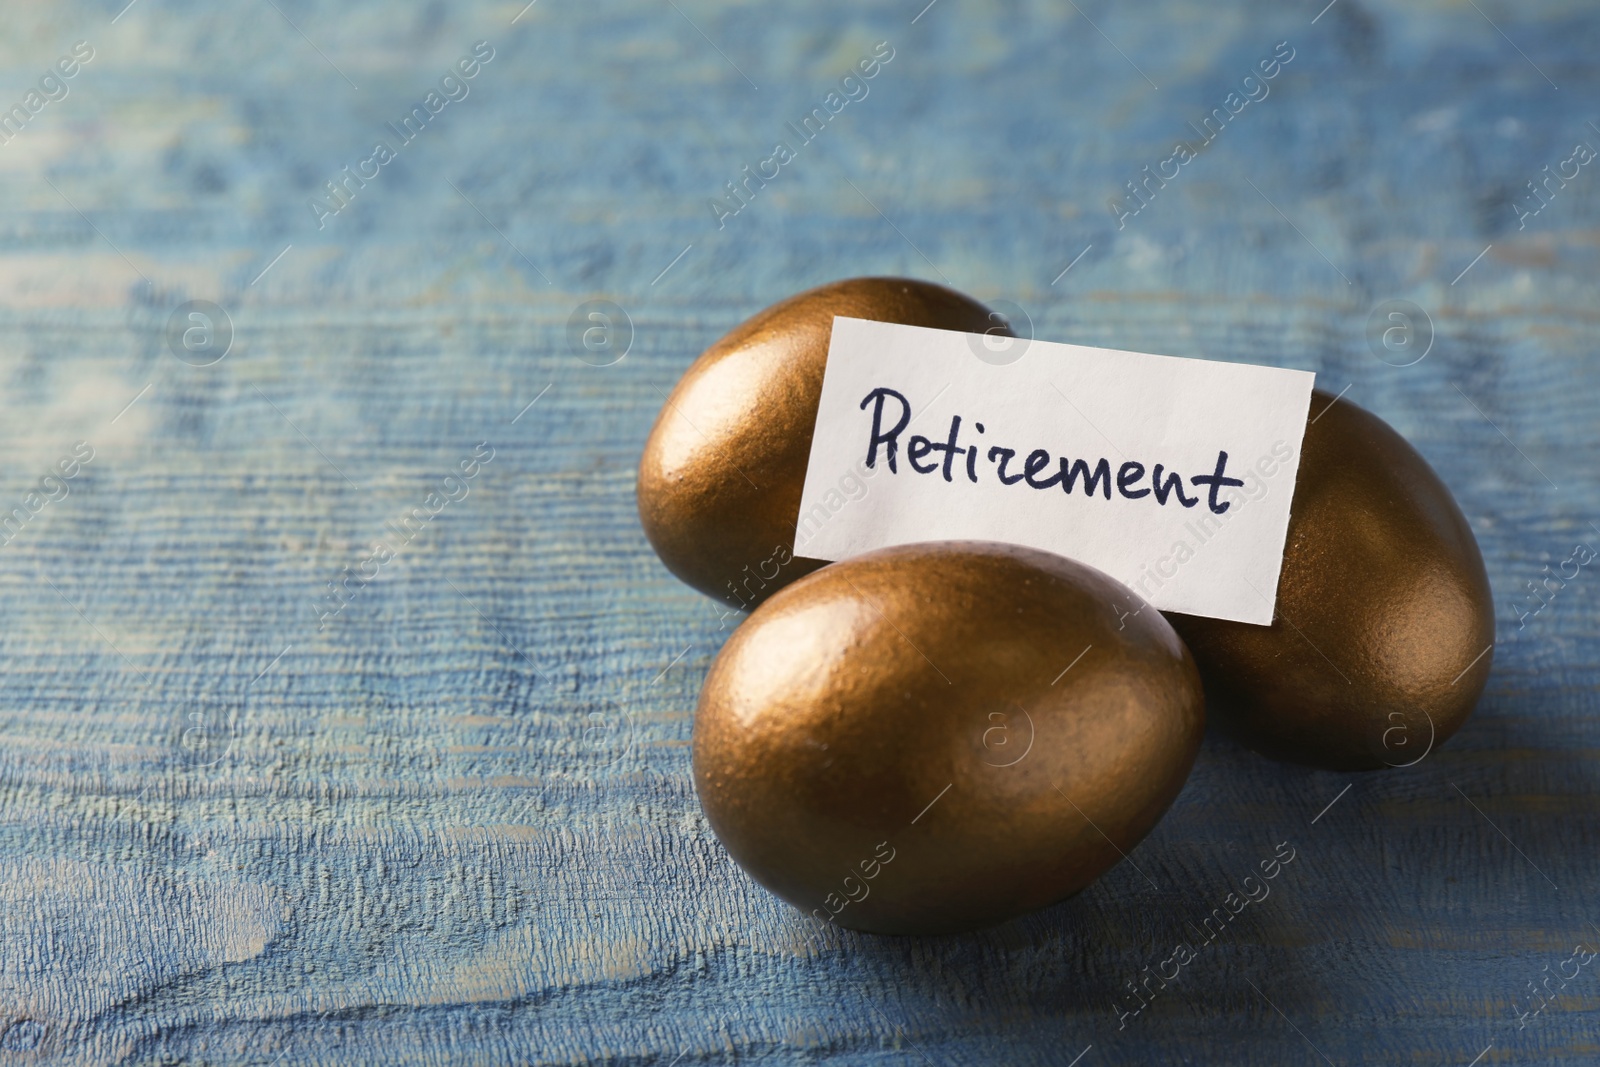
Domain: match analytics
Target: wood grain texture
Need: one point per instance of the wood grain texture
(455, 824)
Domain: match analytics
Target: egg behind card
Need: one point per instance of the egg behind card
(722, 472)
(1384, 630)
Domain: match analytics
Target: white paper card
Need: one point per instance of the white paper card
(1173, 476)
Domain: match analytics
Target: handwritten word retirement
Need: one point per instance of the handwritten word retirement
(1093, 475)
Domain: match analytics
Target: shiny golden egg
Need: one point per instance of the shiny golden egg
(940, 736)
(1384, 629)
(720, 479)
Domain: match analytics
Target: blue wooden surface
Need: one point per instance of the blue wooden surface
(454, 823)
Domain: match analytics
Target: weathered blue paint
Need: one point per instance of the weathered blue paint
(455, 823)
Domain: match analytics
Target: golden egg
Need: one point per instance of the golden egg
(1384, 629)
(720, 478)
(940, 736)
